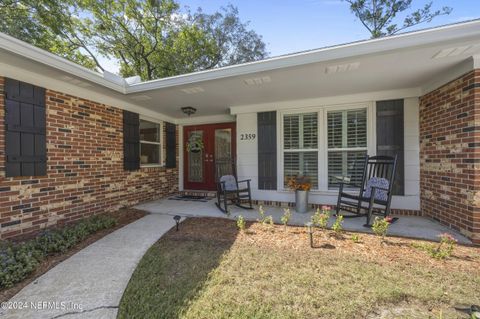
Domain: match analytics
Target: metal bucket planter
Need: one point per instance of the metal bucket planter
(301, 201)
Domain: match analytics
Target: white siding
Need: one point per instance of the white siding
(247, 161)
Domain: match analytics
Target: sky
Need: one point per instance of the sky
(289, 26)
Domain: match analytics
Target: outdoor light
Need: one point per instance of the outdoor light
(188, 110)
(310, 232)
(177, 218)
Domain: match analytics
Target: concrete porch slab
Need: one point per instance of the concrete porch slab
(406, 226)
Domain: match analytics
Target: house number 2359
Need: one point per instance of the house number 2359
(247, 137)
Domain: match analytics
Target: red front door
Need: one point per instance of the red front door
(203, 146)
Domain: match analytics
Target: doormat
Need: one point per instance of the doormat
(191, 198)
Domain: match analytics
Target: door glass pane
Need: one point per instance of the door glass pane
(223, 152)
(195, 158)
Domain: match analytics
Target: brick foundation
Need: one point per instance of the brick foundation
(450, 154)
(85, 172)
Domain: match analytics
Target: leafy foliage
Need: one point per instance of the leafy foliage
(149, 38)
(378, 16)
(355, 238)
(17, 261)
(48, 24)
(337, 225)
(287, 214)
(320, 218)
(380, 227)
(241, 223)
(442, 250)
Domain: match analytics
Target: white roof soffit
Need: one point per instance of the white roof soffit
(116, 83)
(365, 47)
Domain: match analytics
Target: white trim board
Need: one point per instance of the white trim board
(338, 100)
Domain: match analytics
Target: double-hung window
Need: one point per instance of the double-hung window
(332, 140)
(347, 145)
(150, 146)
(300, 137)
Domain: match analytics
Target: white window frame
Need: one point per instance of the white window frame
(323, 140)
(161, 159)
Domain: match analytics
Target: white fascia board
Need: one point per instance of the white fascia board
(328, 100)
(207, 119)
(373, 46)
(31, 52)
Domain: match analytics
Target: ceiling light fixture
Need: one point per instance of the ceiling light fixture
(188, 110)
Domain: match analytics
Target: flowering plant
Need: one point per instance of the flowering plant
(299, 183)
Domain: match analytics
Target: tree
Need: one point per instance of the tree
(150, 38)
(47, 25)
(378, 15)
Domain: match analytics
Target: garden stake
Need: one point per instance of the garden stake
(310, 233)
(177, 220)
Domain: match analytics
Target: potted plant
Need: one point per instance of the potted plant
(301, 185)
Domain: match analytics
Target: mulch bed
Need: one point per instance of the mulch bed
(369, 247)
(123, 217)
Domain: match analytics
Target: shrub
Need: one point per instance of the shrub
(17, 261)
(355, 238)
(442, 250)
(261, 213)
(337, 226)
(286, 217)
(241, 223)
(320, 219)
(268, 220)
(380, 227)
(445, 248)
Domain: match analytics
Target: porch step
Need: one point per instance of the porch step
(209, 194)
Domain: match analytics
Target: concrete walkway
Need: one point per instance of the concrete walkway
(406, 226)
(94, 278)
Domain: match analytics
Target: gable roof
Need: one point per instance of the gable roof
(310, 69)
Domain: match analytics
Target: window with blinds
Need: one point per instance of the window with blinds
(347, 145)
(300, 136)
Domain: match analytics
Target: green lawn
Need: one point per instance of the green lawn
(208, 270)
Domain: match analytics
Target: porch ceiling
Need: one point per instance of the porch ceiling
(410, 61)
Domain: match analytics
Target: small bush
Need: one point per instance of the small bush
(442, 250)
(268, 221)
(337, 226)
(355, 238)
(380, 227)
(17, 261)
(241, 224)
(320, 219)
(286, 217)
(261, 212)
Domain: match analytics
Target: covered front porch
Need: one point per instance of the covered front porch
(406, 226)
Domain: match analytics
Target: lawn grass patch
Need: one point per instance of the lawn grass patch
(211, 270)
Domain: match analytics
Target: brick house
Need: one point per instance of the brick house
(75, 142)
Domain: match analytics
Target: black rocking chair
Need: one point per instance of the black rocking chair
(229, 189)
(375, 190)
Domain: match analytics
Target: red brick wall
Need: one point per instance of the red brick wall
(450, 154)
(85, 172)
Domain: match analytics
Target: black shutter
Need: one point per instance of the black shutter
(131, 141)
(390, 140)
(25, 129)
(171, 147)
(267, 150)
